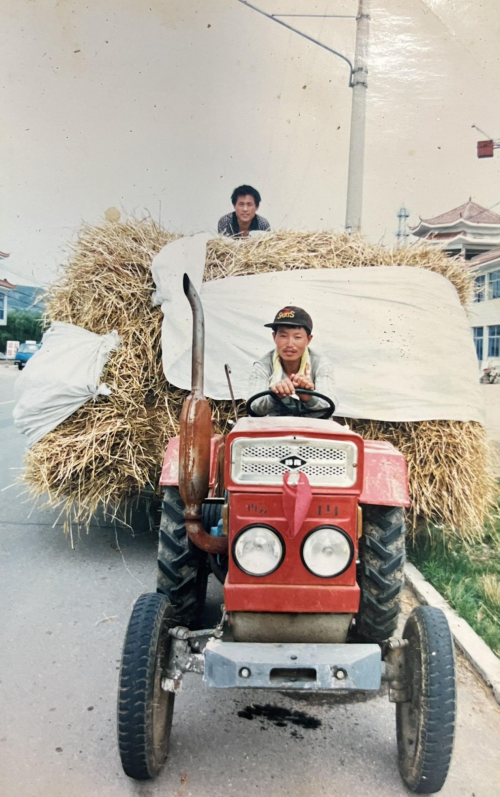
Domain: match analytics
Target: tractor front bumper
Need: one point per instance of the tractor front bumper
(309, 667)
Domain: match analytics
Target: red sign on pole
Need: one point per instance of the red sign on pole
(485, 149)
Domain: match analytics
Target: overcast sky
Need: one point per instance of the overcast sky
(166, 105)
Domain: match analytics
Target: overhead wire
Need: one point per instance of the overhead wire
(24, 276)
(26, 304)
(480, 211)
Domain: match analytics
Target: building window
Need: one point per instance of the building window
(2, 308)
(478, 341)
(470, 253)
(494, 341)
(494, 285)
(479, 288)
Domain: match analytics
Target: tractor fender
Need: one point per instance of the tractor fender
(385, 480)
(170, 469)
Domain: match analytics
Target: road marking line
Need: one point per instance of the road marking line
(7, 402)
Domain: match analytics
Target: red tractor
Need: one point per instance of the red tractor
(303, 522)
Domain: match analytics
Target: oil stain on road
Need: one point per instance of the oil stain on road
(279, 716)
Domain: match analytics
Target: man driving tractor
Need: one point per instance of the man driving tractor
(291, 366)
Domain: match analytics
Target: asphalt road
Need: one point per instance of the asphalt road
(64, 615)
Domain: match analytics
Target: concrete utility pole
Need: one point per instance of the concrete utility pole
(358, 81)
(354, 205)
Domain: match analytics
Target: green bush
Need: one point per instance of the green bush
(468, 577)
(21, 326)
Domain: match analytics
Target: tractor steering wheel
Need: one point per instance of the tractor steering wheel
(296, 410)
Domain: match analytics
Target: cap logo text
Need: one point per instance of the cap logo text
(286, 314)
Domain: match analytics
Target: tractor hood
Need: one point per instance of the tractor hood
(375, 470)
(272, 424)
(261, 451)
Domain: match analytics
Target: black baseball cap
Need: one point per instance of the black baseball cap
(292, 316)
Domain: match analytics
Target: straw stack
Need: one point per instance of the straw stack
(112, 448)
(285, 251)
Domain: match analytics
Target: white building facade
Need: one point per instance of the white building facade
(484, 311)
(5, 288)
(472, 232)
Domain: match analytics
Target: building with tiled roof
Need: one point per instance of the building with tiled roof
(5, 288)
(466, 231)
(487, 258)
(472, 232)
(484, 310)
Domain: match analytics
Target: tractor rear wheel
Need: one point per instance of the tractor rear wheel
(381, 577)
(182, 567)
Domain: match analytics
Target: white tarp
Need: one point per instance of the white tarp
(398, 337)
(61, 377)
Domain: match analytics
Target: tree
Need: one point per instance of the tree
(21, 326)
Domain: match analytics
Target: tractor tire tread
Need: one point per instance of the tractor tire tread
(382, 556)
(135, 686)
(182, 568)
(427, 772)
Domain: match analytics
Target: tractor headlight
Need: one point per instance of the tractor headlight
(258, 550)
(327, 551)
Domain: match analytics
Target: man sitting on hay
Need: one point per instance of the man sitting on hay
(244, 219)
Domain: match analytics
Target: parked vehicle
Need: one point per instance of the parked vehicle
(24, 352)
(491, 376)
(303, 522)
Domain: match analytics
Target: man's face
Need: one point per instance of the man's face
(291, 342)
(245, 209)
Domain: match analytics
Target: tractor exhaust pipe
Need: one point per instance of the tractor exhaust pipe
(198, 347)
(195, 435)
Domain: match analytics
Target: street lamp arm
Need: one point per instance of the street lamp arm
(321, 16)
(490, 138)
(304, 35)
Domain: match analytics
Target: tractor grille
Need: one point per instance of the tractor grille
(326, 463)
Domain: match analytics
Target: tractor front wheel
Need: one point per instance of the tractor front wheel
(182, 567)
(145, 710)
(425, 724)
(381, 577)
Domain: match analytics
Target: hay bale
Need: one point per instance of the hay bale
(109, 450)
(285, 251)
(451, 481)
(112, 449)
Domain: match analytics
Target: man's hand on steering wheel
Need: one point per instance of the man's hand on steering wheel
(283, 388)
(305, 382)
(296, 408)
(288, 386)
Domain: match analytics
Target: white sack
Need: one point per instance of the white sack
(398, 337)
(61, 377)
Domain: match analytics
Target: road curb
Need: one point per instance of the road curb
(475, 649)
